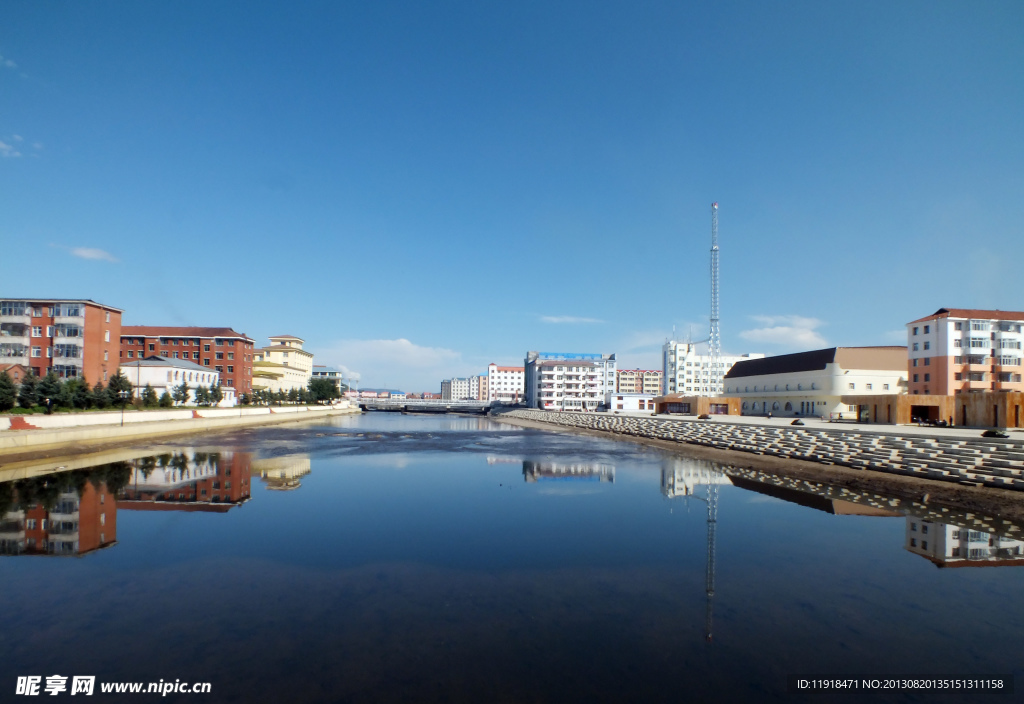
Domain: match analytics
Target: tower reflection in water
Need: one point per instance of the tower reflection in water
(282, 473)
(74, 512)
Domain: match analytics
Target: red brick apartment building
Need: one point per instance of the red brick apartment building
(79, 522)
(962, 350)
(71, 337)
(224, 350)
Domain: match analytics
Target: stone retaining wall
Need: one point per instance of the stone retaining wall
(995, 463)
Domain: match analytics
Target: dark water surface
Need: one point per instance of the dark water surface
(400, 558)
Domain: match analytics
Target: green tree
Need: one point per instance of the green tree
(8, 392)
(216, 394)
(149, 399)
(180, 393)
(50, 387)
(293, 395)
(202, 396)
(118, 383)
(28, 391)
(165, 400)
(81, 394)
(323, 390)
(245, 399)
(100, 398)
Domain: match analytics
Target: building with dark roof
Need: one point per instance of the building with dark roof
(220, 349)
(813, 383)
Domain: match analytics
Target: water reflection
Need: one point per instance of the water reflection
(949, 545)
(681, 477)
(68, 513)
(189, 480)
(282, 473)
(544, 471)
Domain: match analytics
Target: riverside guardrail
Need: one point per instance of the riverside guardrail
(978, 462)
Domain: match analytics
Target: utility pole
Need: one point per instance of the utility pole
(715, 339)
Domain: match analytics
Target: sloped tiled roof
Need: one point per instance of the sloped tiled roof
(165, 331)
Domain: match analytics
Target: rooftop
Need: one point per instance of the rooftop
(66, 300)
(165, 331)
(973, 313)
(157, 361)
(889, 357)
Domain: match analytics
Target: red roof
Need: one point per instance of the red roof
(162, 331)
(509, 369)
(974, 313)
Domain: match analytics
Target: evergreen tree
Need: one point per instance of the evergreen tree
(202, 395)
(149, 398)
(28, 391)
(8, 392)
(81, 394)
(245, 399)
(118, 383)
(293, 395)
(180, 393)
(100, 399)
(216, 394)
(165, 400)
(50, 387)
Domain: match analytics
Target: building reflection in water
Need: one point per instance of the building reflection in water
(66, 514)
(188, 480)
(282, 473)
(949, 545)
(681, 477)
(534, 471)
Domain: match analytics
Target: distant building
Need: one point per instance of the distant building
(71, 337)
(223, 350)
(396, 395)
(957, 350)
(558, 381)
(688, 371)
(534, 471)
(282, 366)
(282, 473)
(505, 384)
(638, 381)
(813, 383)
(457, 389)
(629, 402)
(329, 373)
(165, 374)
(17, 372)
(189, 481)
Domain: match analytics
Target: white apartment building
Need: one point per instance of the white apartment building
(505, 384)
(814, 383)
(689, 371)
(953, 546)
(457, 389)
(560, 381)
(957, 350)
(639, 381)
(625, 401)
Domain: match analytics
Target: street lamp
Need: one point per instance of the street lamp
(123, 394)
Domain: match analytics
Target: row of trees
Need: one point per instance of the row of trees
(318, 391)
(53, 393)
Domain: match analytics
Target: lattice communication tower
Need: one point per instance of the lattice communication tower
(715, 339)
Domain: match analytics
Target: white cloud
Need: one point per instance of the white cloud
(91, 253)
(571, 319)
(398, 364)
(788, 331)
(7, 151)
(7, 63)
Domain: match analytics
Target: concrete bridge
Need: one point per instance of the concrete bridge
(417, 405)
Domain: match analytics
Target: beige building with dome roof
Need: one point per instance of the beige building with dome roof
(282, 366)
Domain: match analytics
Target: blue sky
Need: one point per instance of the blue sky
(418, 189)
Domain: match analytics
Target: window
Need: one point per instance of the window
(231, 369)
(37, 351)
(106, 356)
(956, 342)
(219, 369)
(106, 336)
(927, 361)
(151, 347)
(206, 362)
(915, 377)
(853, 386)
(958, 360)
(867, 386)
(915, 347)
(219, 355)
(206, 348)
(913, 542)
(37, 332)
(885, 387)
(927, 345)
(924, 544)
(927, 329)
(131, 354)
(958, 377)
(958, 326)
(927, 377)
(108, 316)
(913, 362)
(915, 331)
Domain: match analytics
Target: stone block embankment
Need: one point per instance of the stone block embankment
(980, 462)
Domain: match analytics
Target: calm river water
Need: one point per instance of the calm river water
(401, 558)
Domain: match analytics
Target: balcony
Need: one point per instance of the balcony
(21, 319)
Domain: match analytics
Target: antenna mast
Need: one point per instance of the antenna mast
(715, 340)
